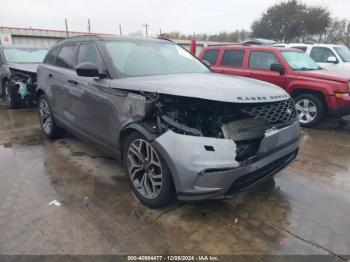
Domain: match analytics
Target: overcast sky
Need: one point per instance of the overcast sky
(187, 16)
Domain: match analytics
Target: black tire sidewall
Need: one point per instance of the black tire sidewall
(320, 107)
(55, 131)
(167, 194)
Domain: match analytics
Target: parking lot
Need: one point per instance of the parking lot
(306, 210)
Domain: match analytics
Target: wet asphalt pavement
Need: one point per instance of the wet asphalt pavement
(306, 210)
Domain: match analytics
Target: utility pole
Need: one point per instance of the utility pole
(65, 20)
(146, 27)
(160, 31)
(89, 26)
(120, 29)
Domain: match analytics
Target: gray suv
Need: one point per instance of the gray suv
(181, 131)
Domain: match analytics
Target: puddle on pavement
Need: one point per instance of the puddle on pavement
(97, 205)
(25, 137)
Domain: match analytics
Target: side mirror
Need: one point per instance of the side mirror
(87, 69)
(277, 68)
(332, 59)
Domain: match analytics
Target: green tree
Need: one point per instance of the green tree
(291, 20)
(316, 21)
(338, 32)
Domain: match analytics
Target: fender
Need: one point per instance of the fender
(135, 127)
(323, 88)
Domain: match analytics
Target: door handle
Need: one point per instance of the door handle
(50, 75)
(73, 82)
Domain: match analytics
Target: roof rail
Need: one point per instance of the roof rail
(81, 37)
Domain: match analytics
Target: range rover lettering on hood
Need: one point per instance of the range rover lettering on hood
(262, 98)
(209, 86)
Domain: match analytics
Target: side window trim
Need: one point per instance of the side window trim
(261, 69)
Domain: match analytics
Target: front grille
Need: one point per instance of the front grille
(245, 181)
(275, 112)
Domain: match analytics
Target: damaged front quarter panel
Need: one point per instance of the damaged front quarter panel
(208, 145)
(138, 106)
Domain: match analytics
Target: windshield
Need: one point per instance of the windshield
(298, 60)
(343, 52)
(25, 55)
(143, 58)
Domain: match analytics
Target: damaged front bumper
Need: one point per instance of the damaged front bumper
(206, 168)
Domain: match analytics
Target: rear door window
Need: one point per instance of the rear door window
(66, 57)
(233, 58)
(262, 60)
(321, 54)
(211, 56)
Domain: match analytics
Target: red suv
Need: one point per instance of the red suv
(316, 92)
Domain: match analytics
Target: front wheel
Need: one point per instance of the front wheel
(310, 109)
(47, 121)
(149, 176)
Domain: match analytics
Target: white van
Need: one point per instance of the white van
(331, 57)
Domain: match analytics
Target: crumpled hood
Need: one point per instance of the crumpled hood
(210, 86)
(31, 68)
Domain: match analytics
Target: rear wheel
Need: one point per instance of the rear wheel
(149, 176)
(310, 109)
(47, 121)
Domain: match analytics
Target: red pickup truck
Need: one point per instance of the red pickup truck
(316, 92)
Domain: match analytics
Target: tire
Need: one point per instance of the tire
(11, 96)
(47, 121)
(310, 109)
(2, 88)
(157, 189)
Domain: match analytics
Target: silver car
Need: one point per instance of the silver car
(181, 131)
